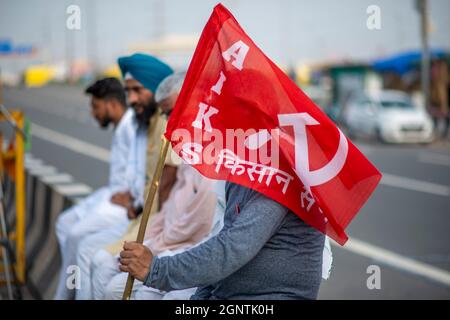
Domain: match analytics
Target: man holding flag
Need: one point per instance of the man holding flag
(280, 204)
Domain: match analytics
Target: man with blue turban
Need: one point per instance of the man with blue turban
(142, 75)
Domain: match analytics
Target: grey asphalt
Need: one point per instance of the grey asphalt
(410, 223)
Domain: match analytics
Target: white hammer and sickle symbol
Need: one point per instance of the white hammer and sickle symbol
(299, 121)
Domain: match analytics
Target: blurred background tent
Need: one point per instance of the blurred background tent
(404, 62)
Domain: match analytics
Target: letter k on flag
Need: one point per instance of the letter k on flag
(240, 118)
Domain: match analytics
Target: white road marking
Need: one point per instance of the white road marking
(57, 178)
(397, 261)
(71, 143)
(32, 162)
(73, 189)
(42, 170)
(415, 185)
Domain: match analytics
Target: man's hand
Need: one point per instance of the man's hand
(135, 259)
(125, 199)
(133, 212)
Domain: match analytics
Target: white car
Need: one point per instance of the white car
(390, 116)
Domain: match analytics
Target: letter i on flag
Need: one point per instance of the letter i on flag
(240, 118)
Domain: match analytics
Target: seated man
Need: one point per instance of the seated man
(184, 220)
(142, 74)
(264, 251)
(108, 106)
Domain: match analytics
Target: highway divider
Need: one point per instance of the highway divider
(48, 193)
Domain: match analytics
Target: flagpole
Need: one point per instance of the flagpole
(148, 207)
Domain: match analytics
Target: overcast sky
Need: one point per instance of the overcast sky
(288, 31)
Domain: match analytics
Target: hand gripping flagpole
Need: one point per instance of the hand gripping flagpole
(148, 207)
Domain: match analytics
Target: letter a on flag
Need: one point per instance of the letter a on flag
(240, 118)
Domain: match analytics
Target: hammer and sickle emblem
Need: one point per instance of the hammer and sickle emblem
(299, 121)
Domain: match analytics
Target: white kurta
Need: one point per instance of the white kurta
(123, 138)
(96, 211)
(94, 241)
(135, 173)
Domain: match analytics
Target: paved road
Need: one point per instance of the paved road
(403, 229)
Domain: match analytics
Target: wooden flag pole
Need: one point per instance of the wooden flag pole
(148, 207)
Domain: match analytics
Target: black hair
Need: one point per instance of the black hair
(108, 88)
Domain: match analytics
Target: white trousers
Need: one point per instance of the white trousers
(74, 214)
(108, 282)
(87, 250)
(91, 216)
(104, 266)
(115, 288)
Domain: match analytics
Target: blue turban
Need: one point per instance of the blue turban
(148, 70)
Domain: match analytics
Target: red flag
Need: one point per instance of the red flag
(240, 118)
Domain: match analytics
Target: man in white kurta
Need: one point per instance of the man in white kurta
(108, 106)
(136, 170)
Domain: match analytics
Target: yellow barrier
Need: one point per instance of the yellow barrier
(12, 165)
(39, 75)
